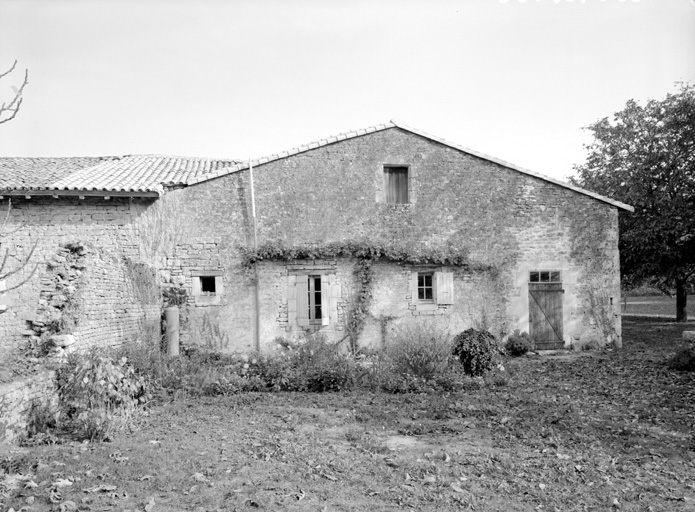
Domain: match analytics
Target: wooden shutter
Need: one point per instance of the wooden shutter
(196, 286)
(302, 300)
(291, 293)
(334, 297)
(444, 287)
(325, 300)
(218, 286)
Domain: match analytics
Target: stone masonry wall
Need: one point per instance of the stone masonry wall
(17, 397)
(499, 217)
(392, 306)
(51, 223)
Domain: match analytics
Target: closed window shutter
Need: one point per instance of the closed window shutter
(325, 300)
(292, 300)
(302, 301)
(444, 287)
(334, 295)
(401, 187)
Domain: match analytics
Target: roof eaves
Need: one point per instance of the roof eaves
(503, 163)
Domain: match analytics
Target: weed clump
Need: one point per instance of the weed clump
(476, 351)
(419, 350)
(97, 395)
(518, 344)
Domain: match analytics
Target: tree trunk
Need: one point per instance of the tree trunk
(681, 300)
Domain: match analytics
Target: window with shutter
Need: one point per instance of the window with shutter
(444, 286)
(431, 289)
(312, 300)
(396, 185)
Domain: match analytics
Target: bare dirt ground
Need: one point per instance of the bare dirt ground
(577, 431)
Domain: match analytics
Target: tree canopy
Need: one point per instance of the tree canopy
(645, 157)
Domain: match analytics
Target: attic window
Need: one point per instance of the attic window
(396, 184)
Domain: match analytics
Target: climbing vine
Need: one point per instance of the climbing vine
(360, 307)
(447, 255)
(365, 253)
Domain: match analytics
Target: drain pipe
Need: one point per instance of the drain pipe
(257, 292)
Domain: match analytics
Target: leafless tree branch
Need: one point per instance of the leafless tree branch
(9, 110)
(5, 269)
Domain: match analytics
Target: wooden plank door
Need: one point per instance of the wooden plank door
(545, 315)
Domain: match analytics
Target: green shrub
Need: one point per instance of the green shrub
(98, 395)
(518, 344)
(420, 350)
(476, 351)
(683, 361)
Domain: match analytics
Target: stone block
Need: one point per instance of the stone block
(62, 340)
(689, 335)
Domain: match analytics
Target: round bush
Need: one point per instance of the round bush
(683, 361)
(476, 351)
(518, 344)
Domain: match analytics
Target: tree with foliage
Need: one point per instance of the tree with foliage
(645, 157)
(8, 110)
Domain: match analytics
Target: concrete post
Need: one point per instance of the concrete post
(171, 317)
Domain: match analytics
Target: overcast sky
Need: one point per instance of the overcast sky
(237, 79)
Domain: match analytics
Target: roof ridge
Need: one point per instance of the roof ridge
(515, 167)
(163, 155)
(289, 152)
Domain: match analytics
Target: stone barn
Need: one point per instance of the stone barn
(352, 237)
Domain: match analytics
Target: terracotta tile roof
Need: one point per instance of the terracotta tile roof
(136, 174)
(39, 173)
(397, 124)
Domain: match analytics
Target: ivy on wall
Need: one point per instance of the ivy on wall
(360, 307)
(447, 255)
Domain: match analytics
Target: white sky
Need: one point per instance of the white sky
(246, 78)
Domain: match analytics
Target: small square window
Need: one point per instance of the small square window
(396, 185)
(425, 289)
(207, 285)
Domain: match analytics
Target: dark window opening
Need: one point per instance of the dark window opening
(545, 276)
(315, 299)
(207, 285)
(396, 182)
(425, 290)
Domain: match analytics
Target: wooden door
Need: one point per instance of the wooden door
(545, 315)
